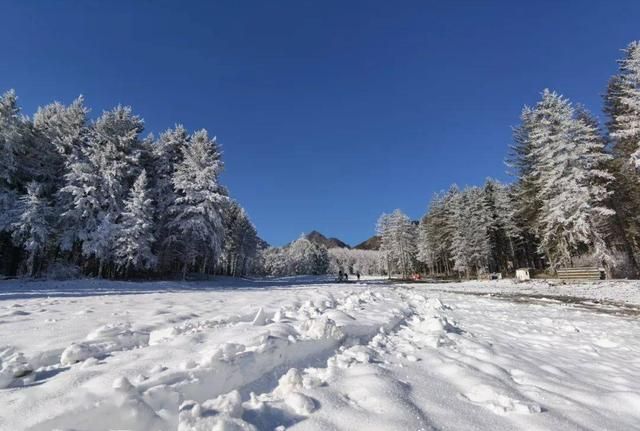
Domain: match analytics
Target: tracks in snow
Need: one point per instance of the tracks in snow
(276, 368)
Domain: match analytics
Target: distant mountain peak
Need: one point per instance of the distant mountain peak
(317, 238)
(372, 243)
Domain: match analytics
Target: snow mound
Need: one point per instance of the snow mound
(229, 404)
(220, 414)
(321, 329)
(224, 352)
(500, 403)
(13, 366)
(300, 404)
(291, 381)
(104, 340)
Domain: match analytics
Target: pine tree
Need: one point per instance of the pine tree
(60, 131)
(623, 119)
(97, 180)
(134, 233)
(196, 213)
(460, 242)
(568, 152)
(167, 153)
(114, 151)
(425, 245)
(82, 203)
(33, 228)
(479, 226)
(63, 126)
(304, 257)
(11, 124)
(504, 232)
(625, 125)
(398, 235)
(435, 234)
(91, 172)
(21, 162)
(241, 240)
(275, 261)
(525, 192)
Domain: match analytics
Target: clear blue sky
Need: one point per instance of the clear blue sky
(329, 112)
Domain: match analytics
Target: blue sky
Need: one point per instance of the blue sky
(329, 112)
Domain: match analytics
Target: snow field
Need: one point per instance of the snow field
(264, 344)
(344, 357)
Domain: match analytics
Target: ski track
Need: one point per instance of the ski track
(367, 357)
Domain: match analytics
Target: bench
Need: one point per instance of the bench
(591, 273)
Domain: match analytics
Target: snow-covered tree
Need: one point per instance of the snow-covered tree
(8, 208)
(301, 257)
(470, 244)
(625, 121)
(19, 161)
(240, 240)
(525, 192)
(89, 173)
(306, 257)
(32, 231)
(435, 233)
(353, 261)
(167, 153)
(568, 154)
(134, 233)
(11, 125)
(398, 235)
(504, 231)
(479, 226)
(99, 246)
(274, 261)
(623, 124)
(82, 200)
(461, 248)
(60, 131)
(63, 126)
(196, 213)
(96, 184)
(114, 151)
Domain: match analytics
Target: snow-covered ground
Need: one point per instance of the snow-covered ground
(305, 353)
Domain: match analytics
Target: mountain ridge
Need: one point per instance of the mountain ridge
(317, 238)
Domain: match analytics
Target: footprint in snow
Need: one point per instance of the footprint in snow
(499, 403)
(16, 313)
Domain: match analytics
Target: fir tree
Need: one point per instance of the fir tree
(241, 240)
(114, 151)
(10, 139)
(32, 231)
(134, 233)
(625, 124)
(82, 203)
(196, 213)
(568, 152)
(623, 119)
(398, 235)
(60, 131)
(167, 153)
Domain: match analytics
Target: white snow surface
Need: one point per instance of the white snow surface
(305, 353)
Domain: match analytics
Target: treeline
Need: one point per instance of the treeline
(305, 257)
(97, 198)
(575, 200)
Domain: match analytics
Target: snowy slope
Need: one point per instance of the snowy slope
(615, 291)
(305, 354)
